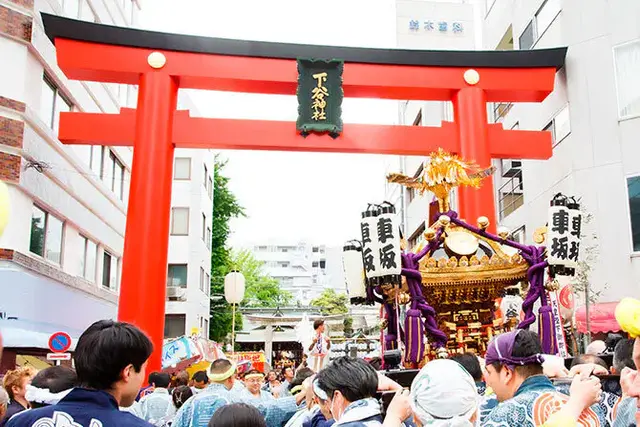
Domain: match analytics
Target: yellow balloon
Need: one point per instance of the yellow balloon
(4, 206)
(628, 316)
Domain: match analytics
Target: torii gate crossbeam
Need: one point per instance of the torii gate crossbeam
(162, 63)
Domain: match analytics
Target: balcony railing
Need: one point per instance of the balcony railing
(511, 195)
(500, 110)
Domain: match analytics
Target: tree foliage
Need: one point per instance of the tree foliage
(331, 302)
(225, 207)
(261, 290)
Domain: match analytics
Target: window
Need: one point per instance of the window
(417, 237)
(627, 66)
(519, 235)
(511, 195)
(177, 275)
(207, 284)
(180, 221)
(202, 280)
(262, 248)
(545, 16)
(182, 168)
(88, 259)
(71, 8)
(284, 264)
(97, 159)
(109, 271)
(204, 228)
(561, 125)
(52, 103)
(550, 127)
(206, 176)
(314, 264)
(527, 38)
(113, 174)
(315, 249)
(174, 325)
(205, 329)
(46, 235)
(633, 189)
(500, 110)
(208, 241)
(210, 188)
(323, 263)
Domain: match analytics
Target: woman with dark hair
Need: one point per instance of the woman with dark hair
(180, 395)
(50, 386)
(237, 415)
(347, 387)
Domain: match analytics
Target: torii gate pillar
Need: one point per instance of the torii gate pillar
(148, 214)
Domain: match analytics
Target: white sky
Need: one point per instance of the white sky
(291, 196)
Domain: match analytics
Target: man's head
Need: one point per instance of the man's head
(583, 359)
(511, 358)
(272, 376)
(253, 380)
(112, 356)
(200, 380)
(345, 381)
(318, 325)
(596, 347)
(288, 374)
(15, 382)
(623, 356)
(159, 379)
(469, 361)
(49, 384)
(181, 379)
(223, 372)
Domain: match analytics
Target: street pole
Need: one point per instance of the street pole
(587, 339)
(233, 330)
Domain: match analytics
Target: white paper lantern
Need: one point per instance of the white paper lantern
(559, 234)
(388, 235)
(234, 287)
(575, 231)
(354, 271)
(370, 256)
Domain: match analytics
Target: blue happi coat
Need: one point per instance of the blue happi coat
(80, 408)
(197, 411)
(361, 413)
(533, 403)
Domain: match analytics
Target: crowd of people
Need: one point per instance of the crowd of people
(515, 385)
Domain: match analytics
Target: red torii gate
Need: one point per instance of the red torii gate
(161, 63)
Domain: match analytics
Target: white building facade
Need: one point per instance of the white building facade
(61, 254)
(425, 25)
(303, 269)
(593, 115)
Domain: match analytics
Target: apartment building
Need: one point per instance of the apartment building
(303, 269)
(593, 116)
(432, 25)
(61, 254)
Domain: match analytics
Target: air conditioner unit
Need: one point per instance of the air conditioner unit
(174, 293)
(511, 168)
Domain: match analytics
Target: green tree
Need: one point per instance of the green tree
(331, 302)
(261, 290)
(225, 207)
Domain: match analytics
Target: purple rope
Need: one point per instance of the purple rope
(535, 275)
(410, 262)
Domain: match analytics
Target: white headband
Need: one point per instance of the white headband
(44, 396)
